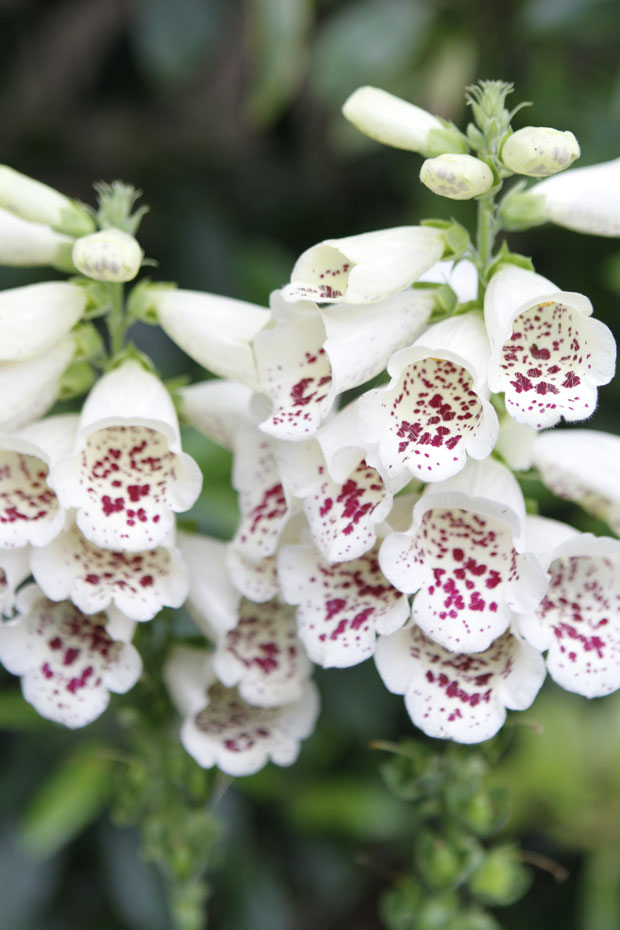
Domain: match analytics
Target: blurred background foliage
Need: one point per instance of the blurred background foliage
(227, 114)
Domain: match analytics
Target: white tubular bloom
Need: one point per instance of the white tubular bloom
(342, 606)
(435, 410)
(516, 443)
(39, 203)
(216, 408)
(127, 474)
(365, 268)
(464, 555)
(108, 255)
(68, 662)
(217, 332)
(538, 151)
(547, 354)
(139, 584)
(393, 121)
(459, 696)
(220, 728)
(34, 318)
(29, 388)
(582, 466)
(459, 177)
(312, 355)
(213, 601)
(586, 200)
(27, 244)
(14, 568)
(578, 620)
(29, 509)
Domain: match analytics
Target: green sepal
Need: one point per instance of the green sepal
(76, 380)
(445, 862)
(116, 203)
(519, 209)
(131, 352)
(445, 298)
(456, 237)
(483, 811)
(88, 341)
(474, 919)
(501, 879)
(408, 906)
(449, 139)
(140, 305)
(414, 772)
(506, 257)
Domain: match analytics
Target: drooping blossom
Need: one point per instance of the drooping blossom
(27, 244)
(30, 199)
(34, 318)
(31, 387)
(547, 353)
(459, 696)
(586, 200)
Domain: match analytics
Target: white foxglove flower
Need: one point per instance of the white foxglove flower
(312, 355)
(220, 728)
(256, 579)
(139, 584)
(30, 388)
(217, 332)
(547, 353)
(216, 408)
(365, 268)
(459, 177)
(68, 662)
(435, 410)
(14, 568)
(586, 200)
(516, 443)
(108, 255)
(538, 151)
(464, 555)
(262, 656)
(395, 122)
(39, 203)
(213, 600)
(578, 620)
(342, 606)
(34, 318)
(26, 244)
(459, 696)
(128, 474)
(582, 466)
(29, 509)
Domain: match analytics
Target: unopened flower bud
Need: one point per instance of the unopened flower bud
(538, 151)
(27, 244)
(459, 177)
(108, 255)
(395, 122)
(39, 203)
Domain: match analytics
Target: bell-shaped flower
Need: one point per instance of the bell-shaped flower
(14, 569)
(26, 244)
(547, 353)
(393, 121)
(256, 579)
(342, 606)
(578, 620)
(29, 509)
(538, 151)
(68, 662)
(459, 696)
(30, 388)
(365, 268)
(581, 465)
(108, 255)
(217, 332)
(127, 475)
(216, 408)
(213, 600)
(586, 200)
(459, 177)
(435, 410)
(220, 728)
(34, 318)
(515, 443)
(39, 203)
(464, 555)
(139, 584)
(311, 355)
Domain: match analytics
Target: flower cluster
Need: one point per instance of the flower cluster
(375, 412)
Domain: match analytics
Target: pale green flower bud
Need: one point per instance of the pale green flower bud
(395, 122)
(459, 177)
(108, 255)
(538, 151)
(39, 203)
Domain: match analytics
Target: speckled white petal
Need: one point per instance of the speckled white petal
(14, 568)
(34, 318)
(217, 332)
(240, 738)
(263, 656)
(213, 600)
(139, 584)
(341, 607)
(582, 466)
(586, 200)
(547, 354)
(68, 661)
(435, 411)
(365, 268)
(455, 696)
(255, 579)
(216, 408)
(30, 388)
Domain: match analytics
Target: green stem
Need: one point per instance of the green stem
(486, 239)
(116, 321)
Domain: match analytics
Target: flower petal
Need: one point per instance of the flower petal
(216, 408)
(34, 318)
(584, 199)
(213, 600)
(29, 388)
(14, 568)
